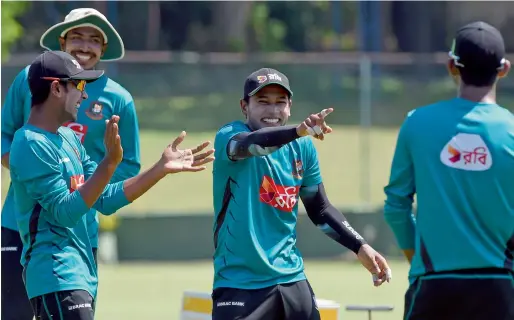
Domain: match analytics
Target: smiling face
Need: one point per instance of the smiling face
(69, 96)
(85, 44)
(269, 107)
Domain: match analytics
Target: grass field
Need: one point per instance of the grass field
(154, 291)
(341, 166)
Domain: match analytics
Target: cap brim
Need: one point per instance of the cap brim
(88, 75)
(115, 48)
(267, 84)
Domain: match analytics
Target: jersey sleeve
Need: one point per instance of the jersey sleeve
(400, 192)
(129, 134)
(113, 197)
(12, 111)
(36, 167)
(312, 174)
(223, 136)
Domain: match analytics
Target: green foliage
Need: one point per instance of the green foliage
(11, 29)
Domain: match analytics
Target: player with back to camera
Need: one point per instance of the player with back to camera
(262, 165)
(457, 156)
(88, 36)
(56, 184)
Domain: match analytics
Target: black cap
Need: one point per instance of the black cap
(264, 77)
(59, 65)
(478, 46)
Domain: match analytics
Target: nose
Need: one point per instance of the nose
(84, 95)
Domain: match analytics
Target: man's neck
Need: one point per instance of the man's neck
(41, 119)
(478, 94)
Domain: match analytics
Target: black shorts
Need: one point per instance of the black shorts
(64, 305)
(15, 302)
(466, 294)
(289, 301)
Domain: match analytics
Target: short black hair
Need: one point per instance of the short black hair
(478, 52)
(478, 78)
(40, 93)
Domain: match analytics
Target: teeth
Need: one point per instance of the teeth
(270, 120)
(83, 57)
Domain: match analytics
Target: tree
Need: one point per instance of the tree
(11, 29)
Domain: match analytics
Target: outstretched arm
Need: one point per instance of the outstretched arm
(267, 140)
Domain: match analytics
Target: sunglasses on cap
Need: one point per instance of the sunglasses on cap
(79, 84)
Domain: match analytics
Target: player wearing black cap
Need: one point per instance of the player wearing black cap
(457, 156)
(56, 184)
(262, 166)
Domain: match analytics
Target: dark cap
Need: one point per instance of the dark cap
(59, 65)
(478, 46)
(264, 77)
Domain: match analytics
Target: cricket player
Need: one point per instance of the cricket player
(262, 166)
(89, 37)
(56, 184)
(458, 157)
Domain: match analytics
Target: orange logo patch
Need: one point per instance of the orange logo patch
(283, 198)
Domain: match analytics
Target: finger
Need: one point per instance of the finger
(327, 129)
(193, 169)
(309, 123)
(202, 162)
(203, 155)
(178, 140)
(200, 147)
(114, 133)
(325, 112)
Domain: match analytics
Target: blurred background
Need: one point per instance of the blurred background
(185, 66)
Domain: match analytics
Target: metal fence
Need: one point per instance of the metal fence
(371, 94)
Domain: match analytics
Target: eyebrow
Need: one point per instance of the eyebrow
(81, 34)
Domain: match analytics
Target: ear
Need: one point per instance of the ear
(244, 107)
(62, 43)
(505, 69)
(290, 106)
(452, 68)
(56, 89)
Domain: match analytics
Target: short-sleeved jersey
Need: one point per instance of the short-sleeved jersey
(256, 210)
(105, 98)
(458, 157)
(46, 171)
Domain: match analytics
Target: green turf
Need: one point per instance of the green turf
(339, 155)
(154, 291)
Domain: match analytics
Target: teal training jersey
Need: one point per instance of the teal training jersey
(105, 98)
(458, 157)
(256, 210)
(46, 171)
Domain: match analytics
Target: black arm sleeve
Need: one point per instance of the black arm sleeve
(260, 142)
(325, 216)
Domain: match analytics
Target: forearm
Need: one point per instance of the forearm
(5, 160)
(93, 188)
(260, 142)
(137, 186)
(399, 217)
(330, 220)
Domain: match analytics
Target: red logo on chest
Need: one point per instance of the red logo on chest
(79, 129)
(283, 198)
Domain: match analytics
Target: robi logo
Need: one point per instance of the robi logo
(283, 198)
(76, 181)
(79, 129)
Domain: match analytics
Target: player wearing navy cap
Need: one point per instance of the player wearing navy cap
(457, 156)
(262, 167)
(56, 184)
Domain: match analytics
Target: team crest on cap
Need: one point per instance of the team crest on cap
(95, 111)
(75, 62)
(262, 79)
